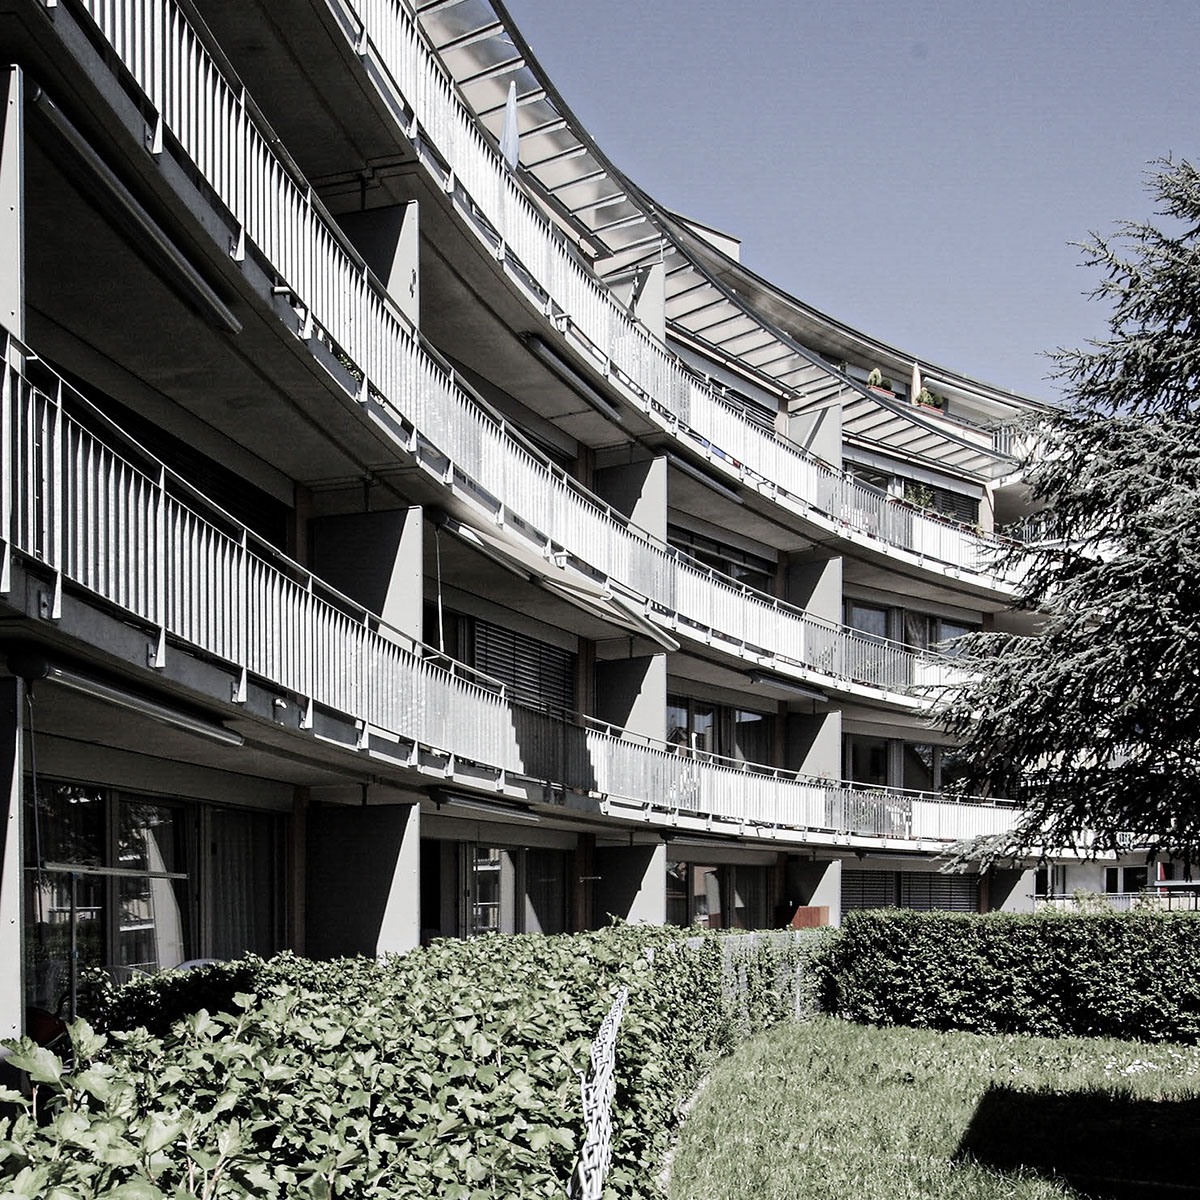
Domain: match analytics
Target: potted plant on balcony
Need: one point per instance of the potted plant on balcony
(929, 399)
(877, 383)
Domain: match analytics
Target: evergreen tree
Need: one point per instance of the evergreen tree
(1093, 722)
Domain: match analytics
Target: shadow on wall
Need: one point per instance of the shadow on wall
(1105, 1146)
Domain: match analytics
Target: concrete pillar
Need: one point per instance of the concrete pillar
(389, 241)
(817, 884)
(1009, 890)
(12, 984)
(376, 559)
(632, 694)
(650, 299)
(812, 580)
(818, 430)
(12, 201)
(631, 883)
(814, 744)
(987, 511)
(639, 490)
(364, 880)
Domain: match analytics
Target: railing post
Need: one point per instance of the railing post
(9, 481)
(157, 652)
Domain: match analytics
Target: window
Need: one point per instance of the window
(716, 897)
(125, 872)
(497, 889)
(711, 729)
(739, 565)
(1126, 879)
(923, 767)
(924, 890)
(924, 631)
(866, 618)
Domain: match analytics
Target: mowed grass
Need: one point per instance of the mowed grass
(831, 1109)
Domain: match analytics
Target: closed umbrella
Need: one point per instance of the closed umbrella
(510, 135)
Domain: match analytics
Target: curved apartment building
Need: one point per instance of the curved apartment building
(411, 529)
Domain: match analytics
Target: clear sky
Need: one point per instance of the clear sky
(915, 168)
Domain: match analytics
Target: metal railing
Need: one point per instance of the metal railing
(596, 1092)
(193, 93)
(124, 528)
(280, 217)
(1150, 900)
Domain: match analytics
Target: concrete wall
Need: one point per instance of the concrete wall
(818, 430)
(388, 239)
(632, 883)
(812, 580)
(632, 693)
(813, 744)
(375, 558)
(639, 490)
(815, 883)
(1010, 890)
(363, 893)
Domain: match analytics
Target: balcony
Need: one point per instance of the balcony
(273, 209)
(510, 487)
(116, 526)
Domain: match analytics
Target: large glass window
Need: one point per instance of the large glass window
(122, 873)
(706, 728)
(867, 618)
(495, 889)
(153, 910)
(717, 897)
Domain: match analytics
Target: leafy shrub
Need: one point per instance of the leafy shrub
(450, 1072)
(1122, 975)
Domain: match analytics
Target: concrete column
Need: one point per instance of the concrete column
(364, 880)
(650, 300)
(1009, 890)
(632, 693)
(814, 744)
(816, 884)
(12, 984)
(376, 559)
(818, 430)
(639, 490)
(632, 883)
(389, 241)
(12, 201)
(812, 580)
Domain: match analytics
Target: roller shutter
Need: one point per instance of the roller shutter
(536, 672)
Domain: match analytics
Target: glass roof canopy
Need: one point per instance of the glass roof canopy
(622, 230)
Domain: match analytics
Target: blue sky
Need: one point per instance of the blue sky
(914, 168)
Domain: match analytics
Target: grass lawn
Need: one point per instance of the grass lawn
(849, 1112)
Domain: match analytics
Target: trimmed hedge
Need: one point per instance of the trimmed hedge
(450, 1072)
(1122, 975)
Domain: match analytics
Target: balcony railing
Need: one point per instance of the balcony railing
(1150, 900)
(194, 93)
(298, 240)
(121, 527)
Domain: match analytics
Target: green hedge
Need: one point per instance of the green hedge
(450, 1072)
(1123, 975)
